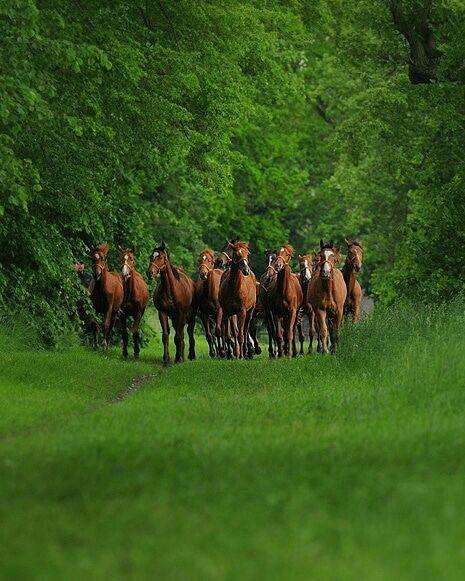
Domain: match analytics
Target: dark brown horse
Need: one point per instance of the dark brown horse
(352, 265)
(238, 295)
(136, 297)
(285, 299)
(305, 276)
(174, 299)
(264, 304)
(107, 293)
(207, 289)
(326, 295)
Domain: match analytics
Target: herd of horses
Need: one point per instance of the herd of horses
(230, 301)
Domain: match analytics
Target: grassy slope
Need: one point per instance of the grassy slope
(315, 468)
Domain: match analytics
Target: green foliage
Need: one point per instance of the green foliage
(132, 122)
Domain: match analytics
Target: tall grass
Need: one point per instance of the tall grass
(322, 467)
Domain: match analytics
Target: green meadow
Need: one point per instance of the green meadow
(342, 467)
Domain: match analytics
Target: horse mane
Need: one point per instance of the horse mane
(238, 245)
(210, 253)
(102, 248)
(288, 248)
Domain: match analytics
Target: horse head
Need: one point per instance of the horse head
(99, 259)
(207, 263)
(305, 266)
(240, 256)
(328, 257)
(354, 254)
(128, 262)
(158, 261)
(283, 257)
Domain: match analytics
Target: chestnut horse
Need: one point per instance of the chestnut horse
(136, 297)
(285, 299)
(207, 289)
(326, 295)
(174, 299)
(305, 276)
(353, 264)
(107, 293)
(238, 296)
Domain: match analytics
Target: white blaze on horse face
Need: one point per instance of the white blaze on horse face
(155, 254)
(308, 274)
(97, 256)
(326, 266)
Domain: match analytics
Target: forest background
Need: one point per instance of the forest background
(138, 121)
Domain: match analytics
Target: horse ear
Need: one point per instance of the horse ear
(163, 245)
(105, 248)
(133, 249)
(322, 244)
(347, 241)
(120, 249)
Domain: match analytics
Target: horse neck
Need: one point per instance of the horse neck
(282, 280)
(348, 273)
(168, 280)
(210, 283)
(235, 278)
(130, 285)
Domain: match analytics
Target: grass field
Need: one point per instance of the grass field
(341, 467)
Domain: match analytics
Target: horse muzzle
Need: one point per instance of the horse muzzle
(203, 275)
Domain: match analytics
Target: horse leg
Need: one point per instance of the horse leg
(250, 346)
(179, 338)
(289, 341)
(124, 334)
(311, 330)
(235, 335)
(220, 336)
(135, 332)
(279, 335)
(301, 333)
(227, 337)
(322, 330)
(335, 329)
(271, 334)
(190, 333)
(241, 335)
(253, 333)
(165, 330)
(107, 327)
(356, 311)
(208, 335)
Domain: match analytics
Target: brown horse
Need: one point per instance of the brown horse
(107, 293)
(353, 264)
(305, 276)
(207, 289)
(326, 295)
(174, 299)
(264, 304)
(237, 296)
(136, 297)
(285, 299)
